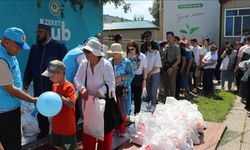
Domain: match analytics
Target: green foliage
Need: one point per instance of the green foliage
(79, 4)
(138, 18)
(216, 108)
(155, 11)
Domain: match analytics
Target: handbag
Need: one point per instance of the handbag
(94, 111)
(224, 63)
(112, 114)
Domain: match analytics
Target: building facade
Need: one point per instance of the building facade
(235, 20)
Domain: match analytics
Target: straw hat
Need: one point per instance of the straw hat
(116, 48)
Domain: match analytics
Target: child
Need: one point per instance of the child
(63, 124)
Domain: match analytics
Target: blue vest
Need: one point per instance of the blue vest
(8, 102)
(71, 63)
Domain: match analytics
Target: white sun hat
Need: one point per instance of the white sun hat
(94, 47)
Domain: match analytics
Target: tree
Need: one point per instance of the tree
(155, 11)
(79, 4)
(138, 18)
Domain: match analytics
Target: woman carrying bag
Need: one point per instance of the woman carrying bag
(91, 79)
(227, 73)
(124, 74)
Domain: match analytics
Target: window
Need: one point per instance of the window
(237, 22)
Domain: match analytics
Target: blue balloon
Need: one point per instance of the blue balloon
(49, 104)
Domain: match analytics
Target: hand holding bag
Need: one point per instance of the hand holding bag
(93, 122)
(224, 63)
(112, 114)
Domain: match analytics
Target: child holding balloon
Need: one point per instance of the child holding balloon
(63, 124)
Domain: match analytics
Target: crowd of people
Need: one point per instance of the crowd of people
(170, 68)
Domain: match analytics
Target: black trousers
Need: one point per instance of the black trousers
(78, 108)
(43, 124)
(247, 107)
(10, 130)
(136, 92)
(178, 85)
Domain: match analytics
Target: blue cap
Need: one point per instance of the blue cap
(44, 26)
(18, 36)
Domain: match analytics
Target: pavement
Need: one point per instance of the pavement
(237, 134)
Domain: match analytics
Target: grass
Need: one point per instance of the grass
(215, 108)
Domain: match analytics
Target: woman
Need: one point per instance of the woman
(92, 75)
(153, 76)
(228, 74)
(206, 46)
(140, 65)
(185, 66)
(209, 62)
(124, 74)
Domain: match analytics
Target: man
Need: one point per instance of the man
(13, 41)
(198, 55)
(44, 51)
(147, 35)
(172, 59)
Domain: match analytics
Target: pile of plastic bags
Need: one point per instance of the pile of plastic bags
(174, 125)
(29, 124)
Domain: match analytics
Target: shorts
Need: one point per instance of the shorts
(197, 72)
(67, 142)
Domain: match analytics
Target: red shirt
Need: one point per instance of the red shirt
(64, 122)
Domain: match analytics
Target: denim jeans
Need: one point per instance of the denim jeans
(153, 84)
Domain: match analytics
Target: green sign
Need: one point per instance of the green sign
(186, 6)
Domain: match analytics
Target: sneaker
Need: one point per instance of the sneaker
(195, 90)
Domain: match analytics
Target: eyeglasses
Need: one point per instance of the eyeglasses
(213, 49)
(148, 45)
(131, 49)
(87, 52)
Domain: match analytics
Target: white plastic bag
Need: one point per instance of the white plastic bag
(224, 63)
(93, 122)
(29, 125)
(144, 93)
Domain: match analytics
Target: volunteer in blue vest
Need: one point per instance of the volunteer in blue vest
(45, 50)
(13, 41)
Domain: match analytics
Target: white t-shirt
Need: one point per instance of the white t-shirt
(197, 51)
(5, 74)
(139, 63)
(153, 60)
(208, 58)
(241, 51)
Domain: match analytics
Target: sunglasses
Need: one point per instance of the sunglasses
(131, 49)
(87, 52)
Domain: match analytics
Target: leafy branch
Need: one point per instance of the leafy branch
(77, 5)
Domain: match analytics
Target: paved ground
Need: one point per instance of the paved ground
(237, 135)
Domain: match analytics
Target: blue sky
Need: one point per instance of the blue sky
(138, 8)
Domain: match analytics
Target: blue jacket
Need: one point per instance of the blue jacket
(39, 58)
(71, 63)
(8, 102)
